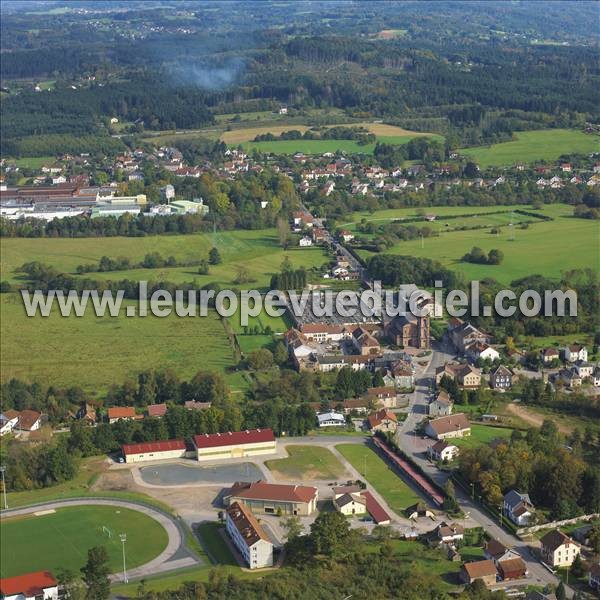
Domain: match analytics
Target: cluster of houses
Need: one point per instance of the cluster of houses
(20, 421)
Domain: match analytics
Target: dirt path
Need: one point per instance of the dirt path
(533, 418)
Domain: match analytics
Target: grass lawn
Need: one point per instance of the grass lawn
(482, 434)
(255, 253)
(530, 146)
(527, 254)
(307, 463)
(95, 352)
(62, 539)
(34, 162)
(396, 493)
(432, 561)
(214, 545)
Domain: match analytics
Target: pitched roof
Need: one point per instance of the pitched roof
(348, 498)
(28, 418)
(450, 423)
(443, 398)
(382, 390)
(30, 584)
(157, 410)
(554, 539)
(512, 567)
(480, 568)
(514, 498)
(440, 446)
(261, 490)
(445, 530)
(11, 414)
(495, 548)
(245, 522)
(380, 416)
(143, 448)
(232, 438)
(121, 412)
(346, 489)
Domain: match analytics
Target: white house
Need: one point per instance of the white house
(331, 419)
(305, 241)
(351, 504)
(584, 369)
(40, 585)
(518, 507)
(575, 352)
(443, 451)
(441, 406)
(558, 549)
(248, 536)
(450, 533)
(481, 350)
(8, 421)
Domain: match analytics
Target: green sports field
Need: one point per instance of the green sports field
(61, 540)
(396, 493)
(574, 244)
(531, 146)
(307, 463)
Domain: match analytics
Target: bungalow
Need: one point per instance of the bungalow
(125, 413)
(501, 378)
(481, 569)
(448, 427)
(558, 549)
(40, 585)
(331, 419)
(547, 355)
(518, 507)
(383, 420)
(441, 406)
(442, 451)
(575, 352)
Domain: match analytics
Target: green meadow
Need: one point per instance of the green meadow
(531, 146)
(306, 463)
(323, 146)
(256, 254)
(61, 540)
(545, 247)
(95, 352)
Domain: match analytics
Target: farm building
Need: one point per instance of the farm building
(234, 444)
(248, 536)
(32, 586)
(133, 453)
(481, 569)
(272, 498)
(351, 504)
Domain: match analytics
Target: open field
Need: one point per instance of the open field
(255, 253)
(307, 463)
(396, 493)
(527, 254)
(33, 162)
(531, 146)
(95, 352)
(482, 434)
(61, 540)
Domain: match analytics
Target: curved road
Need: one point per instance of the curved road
(175, 556)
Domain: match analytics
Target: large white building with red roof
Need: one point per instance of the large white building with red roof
(234, 444)
(248, 536)
(153, 451)
(40, 585)
(274, 498)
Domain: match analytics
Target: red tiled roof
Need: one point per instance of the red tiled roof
(380, 416)
(321, 328)
(382, 390)
(157, 410)
(245, 522)
(163, 446)
(375, 509)
(28, 418)
(457, 422)
(261, 490)
(30, 584)
(121, 412)
(480, 568)
(230, 438)
(554, 539)
(512, 568)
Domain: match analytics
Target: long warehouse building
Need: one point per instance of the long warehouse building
(234, 444)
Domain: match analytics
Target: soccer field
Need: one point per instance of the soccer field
(60, 540)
